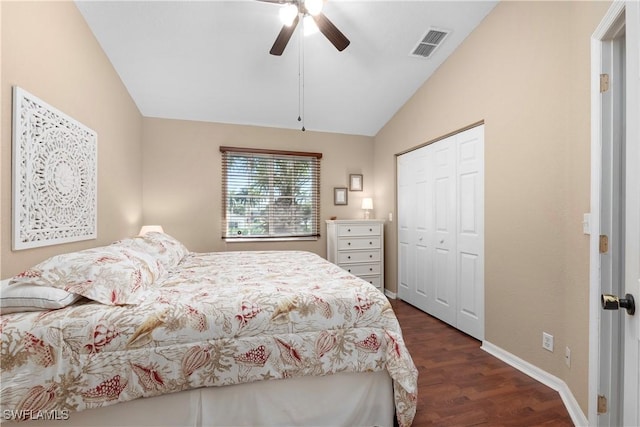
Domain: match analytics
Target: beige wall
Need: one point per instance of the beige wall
(525, 72)
(48, 50)
(182, 177)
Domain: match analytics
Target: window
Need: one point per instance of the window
(268, 194)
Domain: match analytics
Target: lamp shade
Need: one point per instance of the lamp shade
(148, 228)
(367, 203)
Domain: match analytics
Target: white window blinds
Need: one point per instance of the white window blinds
(270, 194)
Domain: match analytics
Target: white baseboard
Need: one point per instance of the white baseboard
(389, 294)
(570, 402)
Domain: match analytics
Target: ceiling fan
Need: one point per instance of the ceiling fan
(290, 14)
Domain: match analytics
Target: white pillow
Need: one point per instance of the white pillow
(26, 297)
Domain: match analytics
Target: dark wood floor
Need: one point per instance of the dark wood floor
(461, 385)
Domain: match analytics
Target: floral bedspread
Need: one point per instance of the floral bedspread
(218, 318)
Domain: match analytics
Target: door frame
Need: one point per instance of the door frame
(606, 206)
(631, 415)
(632, 229)
(598, 64)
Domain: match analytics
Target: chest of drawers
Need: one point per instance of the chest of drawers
(358, 247)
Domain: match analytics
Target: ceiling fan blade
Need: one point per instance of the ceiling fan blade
(331, 32)
(283, 38)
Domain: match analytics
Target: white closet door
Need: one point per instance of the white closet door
(441, 230)
(470, 232)
(414, 256)
(443, 209)
(422, 230)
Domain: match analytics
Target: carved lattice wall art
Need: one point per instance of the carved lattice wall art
(54, 175)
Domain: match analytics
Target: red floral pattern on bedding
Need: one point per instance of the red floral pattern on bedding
(218, 319)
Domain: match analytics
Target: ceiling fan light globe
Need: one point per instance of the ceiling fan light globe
(314, 7)
(310, 26)
(288, 13)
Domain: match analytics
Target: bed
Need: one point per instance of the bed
(145, 332)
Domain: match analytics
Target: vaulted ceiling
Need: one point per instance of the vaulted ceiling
(210, 61)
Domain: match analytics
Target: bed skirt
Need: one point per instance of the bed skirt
(345, 399)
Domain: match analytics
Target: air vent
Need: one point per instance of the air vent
(428, 44)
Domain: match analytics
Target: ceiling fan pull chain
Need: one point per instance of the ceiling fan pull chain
(301, 75)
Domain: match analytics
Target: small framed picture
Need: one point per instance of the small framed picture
(355, 182)
(340, 196)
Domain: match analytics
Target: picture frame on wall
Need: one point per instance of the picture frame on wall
(55, 180)
(340, 196)
(355, 182)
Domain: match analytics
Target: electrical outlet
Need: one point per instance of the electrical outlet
(567, 356)
(547, 341)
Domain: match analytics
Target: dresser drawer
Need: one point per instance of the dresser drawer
(362, 269)
(358, 256)
(374, 280)
(359, 230)
(370, 243)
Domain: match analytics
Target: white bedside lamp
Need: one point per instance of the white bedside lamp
(148, 228)
(367, 206)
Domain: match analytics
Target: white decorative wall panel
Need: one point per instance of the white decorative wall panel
(54, 175)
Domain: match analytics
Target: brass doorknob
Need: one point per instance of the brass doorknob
(613, 302)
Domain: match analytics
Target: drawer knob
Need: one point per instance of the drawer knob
(371, 243)
(370, 255)
(349, 257)
(349, 243)
(349, 230)
(349, 270)
(371, 229)
(370, 268)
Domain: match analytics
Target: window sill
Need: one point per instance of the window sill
(268, 239)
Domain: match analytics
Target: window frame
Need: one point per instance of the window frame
(274, 154)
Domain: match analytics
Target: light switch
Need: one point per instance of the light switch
(390, 216)
(586, 223)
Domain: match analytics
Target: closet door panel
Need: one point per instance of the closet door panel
(443, 207)
(423, 228)
(413, 249)
(445, 292)
(405, 253)
(422, 246)
(424, 286)
(404, 271)
(469, 302)
(470, 232)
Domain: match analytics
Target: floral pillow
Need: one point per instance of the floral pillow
(112, 275)
(166, 250)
